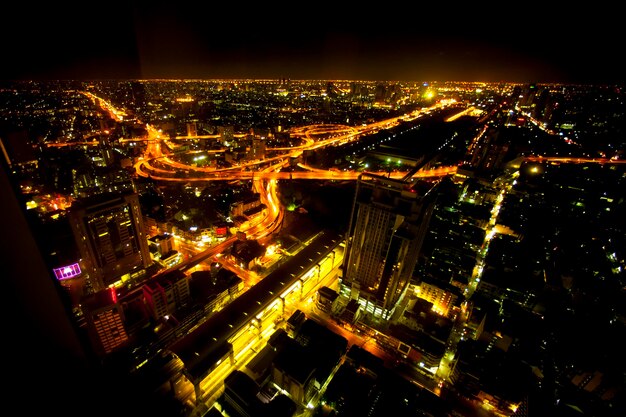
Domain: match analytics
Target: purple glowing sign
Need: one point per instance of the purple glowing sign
(67, 272)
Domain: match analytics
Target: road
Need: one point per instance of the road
(265, 174)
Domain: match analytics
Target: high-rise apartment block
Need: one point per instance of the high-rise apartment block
(257, 147)
(109, 233)
(387, 227)
(166, 294)
(105, 321)
(227, 135)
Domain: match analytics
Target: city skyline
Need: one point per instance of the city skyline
(174, 41)
(257, 186)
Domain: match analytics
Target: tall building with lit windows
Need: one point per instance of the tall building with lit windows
(443, 300)
(105, 321)
(166, 294)
(387, 227)
(109, 233)
(258, 147)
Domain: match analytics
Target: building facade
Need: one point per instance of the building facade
(105, 321)
(387, 227)
(110, 236)
(166, 294)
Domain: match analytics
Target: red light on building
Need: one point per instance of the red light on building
(113, 294)
(414, 355)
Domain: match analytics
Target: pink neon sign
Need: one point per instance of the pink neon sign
(67, 272)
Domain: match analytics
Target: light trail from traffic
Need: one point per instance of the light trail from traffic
(314, 137)
(246, 343)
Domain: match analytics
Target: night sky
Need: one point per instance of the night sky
(522, 42)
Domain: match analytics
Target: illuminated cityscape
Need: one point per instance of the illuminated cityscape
(255, 247)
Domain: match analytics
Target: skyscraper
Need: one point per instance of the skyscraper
(109, 233)
(257, 147)
(105, 321)
(387, 227)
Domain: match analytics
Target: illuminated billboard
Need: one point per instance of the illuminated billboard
(67, 272)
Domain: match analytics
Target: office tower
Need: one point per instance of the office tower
(227, 135)
(387, 227)
(105, 321)
(257, 148)
(166, 294)
(109, 233)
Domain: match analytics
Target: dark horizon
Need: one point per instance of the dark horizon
(158, 41)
